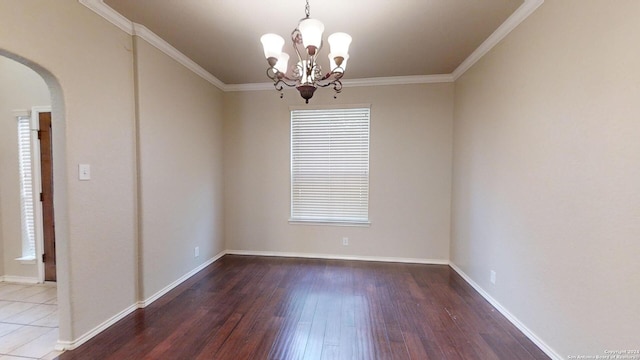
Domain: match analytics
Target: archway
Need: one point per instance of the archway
(60, 193)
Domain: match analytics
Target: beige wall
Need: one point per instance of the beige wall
(410, 174)
(89, 66)
(180, 179)
(545, 169)
(546, 174)
(20, 89)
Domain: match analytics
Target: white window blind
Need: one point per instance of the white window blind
(26, 187)
(330, 165)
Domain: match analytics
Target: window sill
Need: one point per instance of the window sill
(26, 260)
(330, 223)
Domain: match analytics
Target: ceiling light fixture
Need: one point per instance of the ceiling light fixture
(306, 75)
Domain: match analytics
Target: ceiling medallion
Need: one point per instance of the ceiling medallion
(307, 74)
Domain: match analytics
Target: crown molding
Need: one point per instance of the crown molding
(399, 80)
(526, 9)
(131, 28)
(394, 80)
(142, 32)
(249, 87)
(112, 16)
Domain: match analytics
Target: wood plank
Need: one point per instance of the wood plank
(246, 307)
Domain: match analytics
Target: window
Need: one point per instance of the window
(26, 188)
(330, 165)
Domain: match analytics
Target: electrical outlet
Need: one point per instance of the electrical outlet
(196, 251)
(345, 241)
(84, 172)
(493, 277)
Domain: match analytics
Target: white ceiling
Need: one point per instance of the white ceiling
(390, 38)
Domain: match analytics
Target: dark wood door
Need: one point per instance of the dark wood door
(46, 168)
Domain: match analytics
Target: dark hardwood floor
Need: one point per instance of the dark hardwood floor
(246, 307)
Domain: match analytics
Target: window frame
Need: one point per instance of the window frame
(320, 220)
(34, 115)
(27, 176)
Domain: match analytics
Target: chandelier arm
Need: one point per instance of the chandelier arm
(272, 73)
(279, 78)
(335, 70)
(286, 81)
(325, 85)
(296, 39)
(309, 60)
(315, 70)
(330, 78)
(297, 71)
(337, 86)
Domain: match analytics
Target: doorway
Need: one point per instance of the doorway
(46, 196)
(54, 137)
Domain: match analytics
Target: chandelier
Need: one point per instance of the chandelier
(307, 74)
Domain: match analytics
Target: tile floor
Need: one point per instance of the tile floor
(28, 321)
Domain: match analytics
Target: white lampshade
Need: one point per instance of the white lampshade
(339, 43)
(333, 64)
(272, 45)
(283, 63)
(311, 30)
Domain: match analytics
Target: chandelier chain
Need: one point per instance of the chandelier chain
(307, 9)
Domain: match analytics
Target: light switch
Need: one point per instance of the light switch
(84, 172)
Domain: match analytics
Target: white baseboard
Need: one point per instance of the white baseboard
(70, 345)
(340, 257)
(514, 320)
(19, 279)
(144, 303)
